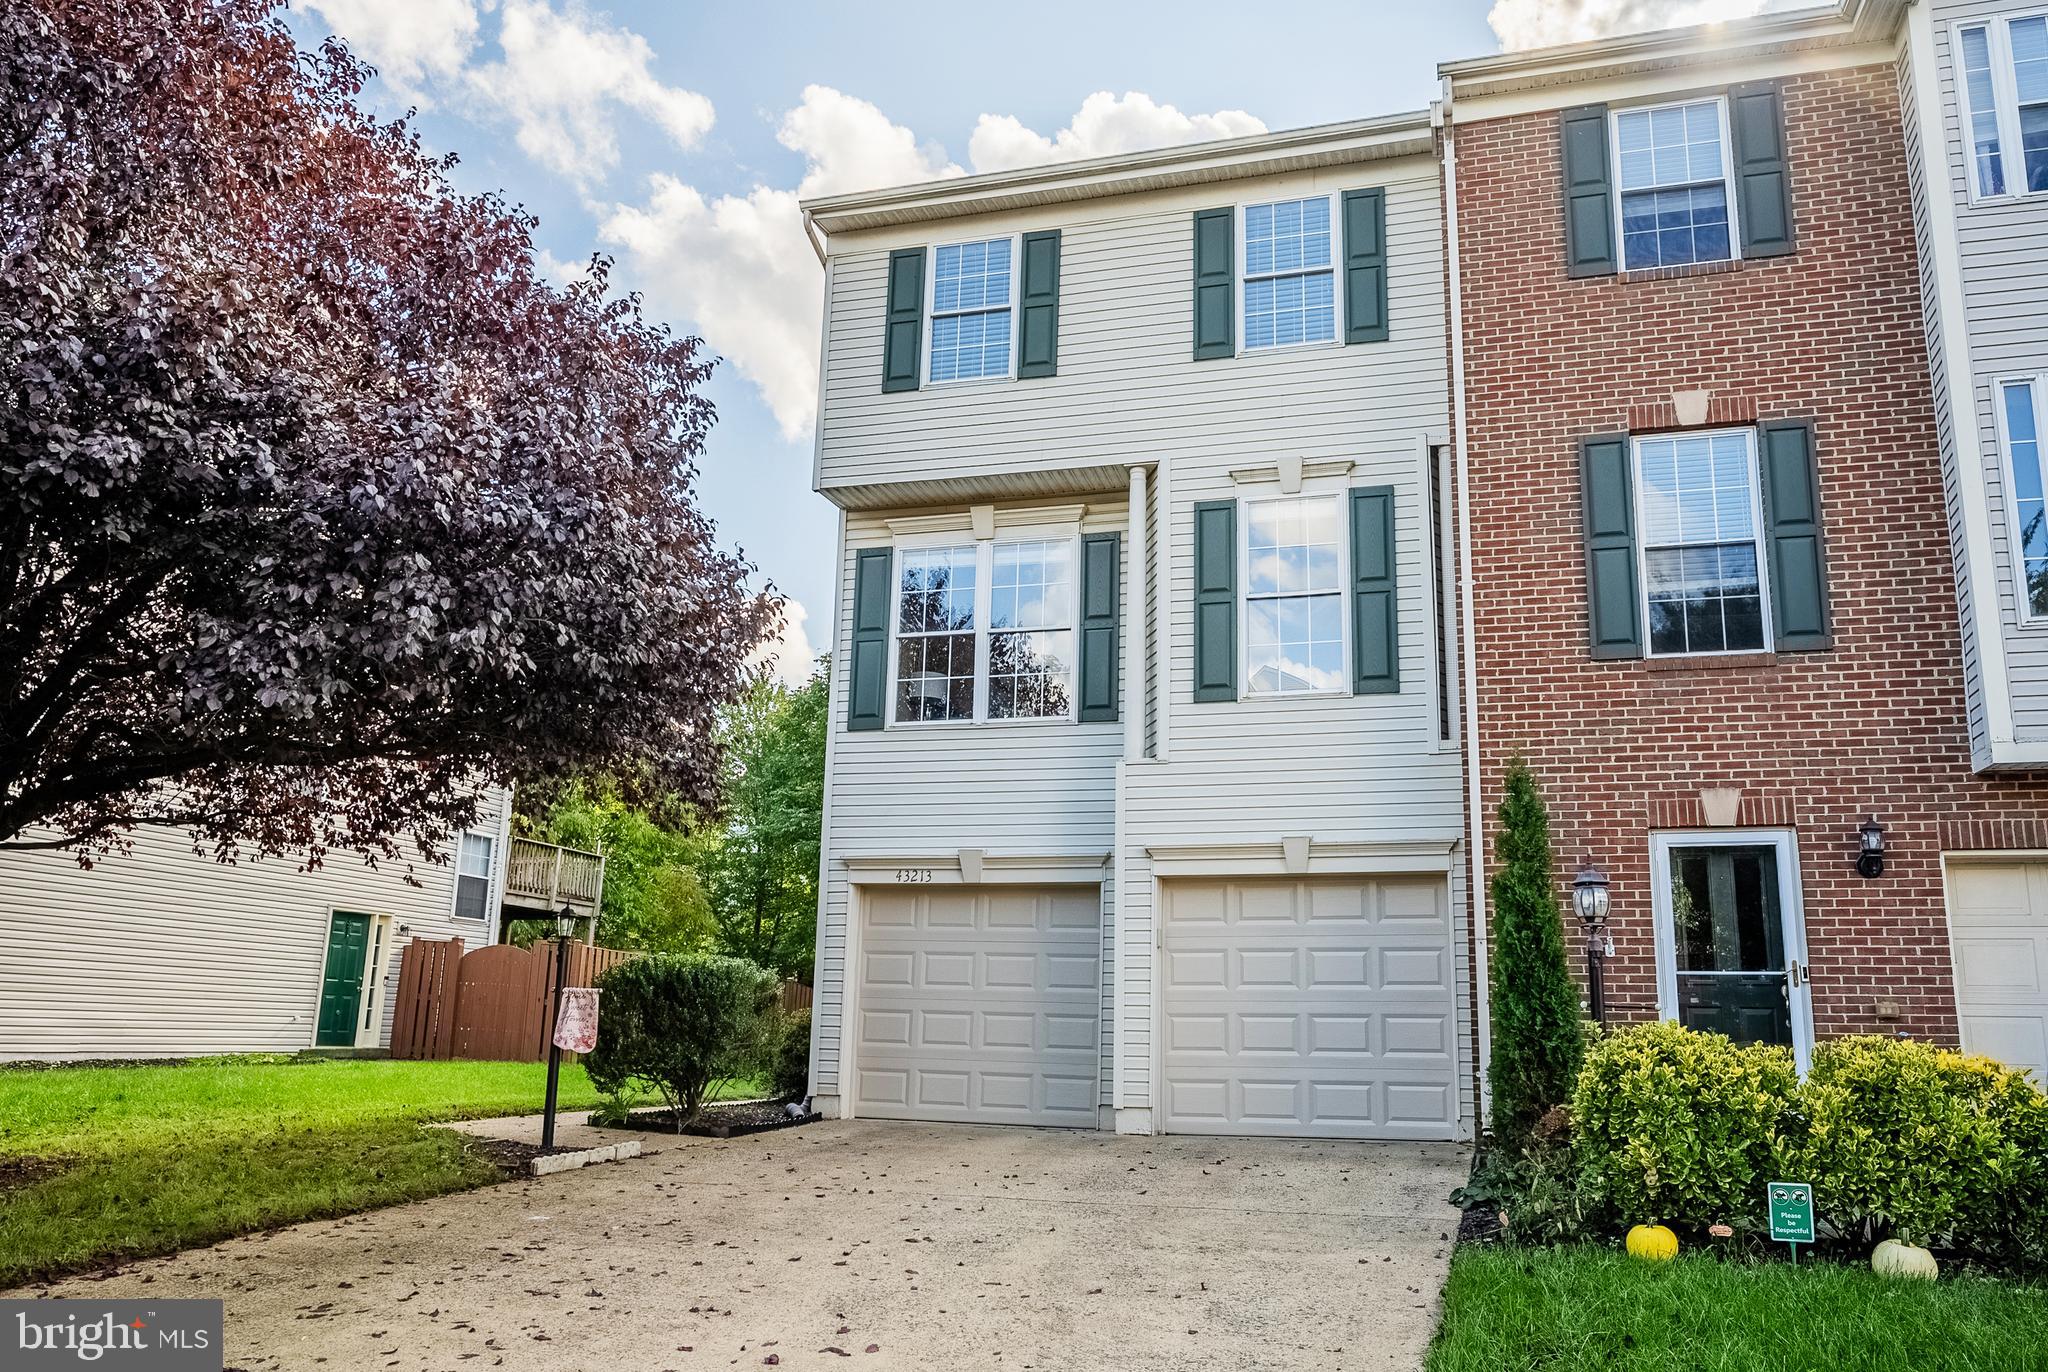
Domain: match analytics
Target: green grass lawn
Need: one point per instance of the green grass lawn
(1509, 1309)
(151, 1159)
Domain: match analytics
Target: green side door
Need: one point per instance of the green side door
(341, 989)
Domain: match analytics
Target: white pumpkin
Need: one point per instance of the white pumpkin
(1894, 1259)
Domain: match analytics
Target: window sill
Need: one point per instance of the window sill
(1674, 273)
(1707, 662)
(1315, 345)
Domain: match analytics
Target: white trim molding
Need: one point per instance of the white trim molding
(1426, 856)
(996, 869)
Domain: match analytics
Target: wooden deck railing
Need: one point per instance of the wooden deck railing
(547, 876)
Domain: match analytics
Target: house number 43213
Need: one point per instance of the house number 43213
(913, 876)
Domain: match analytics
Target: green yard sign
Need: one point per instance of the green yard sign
(1791, 1207)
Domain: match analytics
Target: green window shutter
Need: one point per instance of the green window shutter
(1365, 266)
(1216, 600)
(903, 339)
(1215, 283)
(1791, 490)
(868, 682)
(1588, 193)
(1375, 613)
(1763, 195)
(1613, 613)
(1099, 585)
(1038, 339)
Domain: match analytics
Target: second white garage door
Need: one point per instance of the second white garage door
(1998, 924)
(980, 1004)
(1317, 1009)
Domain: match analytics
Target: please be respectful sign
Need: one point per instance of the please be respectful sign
(1791, 1209)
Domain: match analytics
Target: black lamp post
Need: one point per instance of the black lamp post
(565, 930)
(1589, 898)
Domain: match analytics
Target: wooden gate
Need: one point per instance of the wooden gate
(495, 1004)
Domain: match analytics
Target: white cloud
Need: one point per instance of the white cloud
(791, 654)
(562, 76)
(1104, 125)
(408, 41)
(558, 270)
(739, 266)
(1541, 23)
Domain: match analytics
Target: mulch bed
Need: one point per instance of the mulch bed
(508, 1157)
(726, 1120)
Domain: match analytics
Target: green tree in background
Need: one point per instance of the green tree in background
(762, 873)
(654, 899)
(1538, 1043)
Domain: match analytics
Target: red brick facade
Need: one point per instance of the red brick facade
(1814, 741)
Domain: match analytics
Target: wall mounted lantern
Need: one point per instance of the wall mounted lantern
(1870, 856)
(1589, 898)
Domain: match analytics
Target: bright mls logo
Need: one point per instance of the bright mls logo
(146, 1336)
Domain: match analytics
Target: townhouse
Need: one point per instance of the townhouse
(1217, 523)
(1142, 800)
(1720, 517)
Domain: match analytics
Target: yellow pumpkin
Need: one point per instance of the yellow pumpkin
(1652, 1243)
(1894, 1259)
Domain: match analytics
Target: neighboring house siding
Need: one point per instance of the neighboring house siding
(161, 952)
(2003, 246)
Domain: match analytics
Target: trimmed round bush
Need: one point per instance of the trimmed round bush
(1907, 1139)
(791, 1077)
(683, 1023)
(1681, 1128)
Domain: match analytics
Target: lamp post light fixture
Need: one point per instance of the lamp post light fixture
(1589, 898)
(565, 932)
(1870, 855)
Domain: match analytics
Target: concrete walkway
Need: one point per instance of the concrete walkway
(934, 1246)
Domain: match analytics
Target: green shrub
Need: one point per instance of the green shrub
(1539, 1192)
(1538, 1040)
(790, 1077)
(683, 1024)
(1682, 1128)
(1908, 1139)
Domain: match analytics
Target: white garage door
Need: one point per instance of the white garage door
(1998, 921)
(980, 1004)
(1317, 1009)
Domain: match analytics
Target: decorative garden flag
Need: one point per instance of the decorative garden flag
(576, 1030)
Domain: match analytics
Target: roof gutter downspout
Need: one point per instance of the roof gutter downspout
(1475, 828)
(811, 232)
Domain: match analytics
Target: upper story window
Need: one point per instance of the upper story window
(1289, 286)
(473, 876)
(2021, 424)
(973, 301)
(2004, 64)
(1294, 596)
(1702, 558)
(1675, 199)
(985, 631)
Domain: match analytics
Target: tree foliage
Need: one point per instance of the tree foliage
(319, 505)
(762, 871)
(653, 899)
(1538, 1040)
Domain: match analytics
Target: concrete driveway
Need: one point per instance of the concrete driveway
(936, 1246)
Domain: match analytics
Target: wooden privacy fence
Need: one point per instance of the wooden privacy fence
(795, 995)
(495, 1003)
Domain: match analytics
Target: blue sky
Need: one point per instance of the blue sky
(677, 137)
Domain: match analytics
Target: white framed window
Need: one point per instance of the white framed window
(2003, 68)
(2022, 427)
(1296, 631)
(985, 630)
(1676, 204)
(1287, 276)
(473, 852)
(1698, 509)
(971, 309)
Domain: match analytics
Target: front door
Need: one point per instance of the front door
(1730, 937)
(341, 986)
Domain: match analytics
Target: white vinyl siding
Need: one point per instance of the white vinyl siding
(1343, 769)
(2002, 246)
(163, 952)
